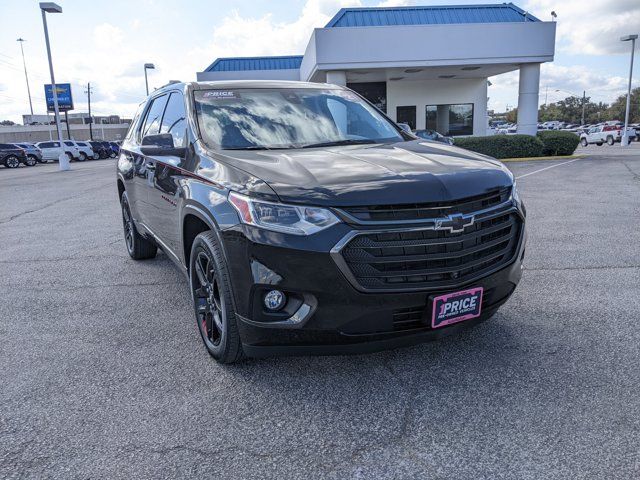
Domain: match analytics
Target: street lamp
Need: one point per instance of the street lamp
(584, 100)
(50, 7)
(24, 64)
(625, 139)
(147, 66)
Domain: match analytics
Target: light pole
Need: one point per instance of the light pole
(584, 100)
(50, 7)
(24, 63)
(625, 139)
(147, 66)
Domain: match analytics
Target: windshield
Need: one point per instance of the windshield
(289, 118)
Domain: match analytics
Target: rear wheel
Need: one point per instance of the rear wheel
(83, 157)
(112, 154)
(70, 156)
(584, 142)
(599, 144)
(31, 160)
(610, 140)
(12, 161)
(138, 247)
(212, 300)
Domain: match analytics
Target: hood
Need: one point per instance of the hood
(406, 172)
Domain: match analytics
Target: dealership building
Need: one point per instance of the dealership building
(427, 66)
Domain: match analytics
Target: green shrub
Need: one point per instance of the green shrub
(503, 146)
(558, 143)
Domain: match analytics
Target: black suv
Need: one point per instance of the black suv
(308, 222)
(11, 156)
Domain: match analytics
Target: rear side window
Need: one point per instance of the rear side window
(173, 121)
(46, 145)
(151, 124)
(69, 144)
(80, 144)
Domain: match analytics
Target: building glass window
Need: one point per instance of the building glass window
(450, 120)
(375, 92)
(406, 115)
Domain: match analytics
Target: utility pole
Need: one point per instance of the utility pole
(24, 63)
(624, 141)
(584, 102)
(88, 92)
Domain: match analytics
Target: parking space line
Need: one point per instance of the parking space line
(547, 168)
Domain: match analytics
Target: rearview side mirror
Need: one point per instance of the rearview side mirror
(161, 144)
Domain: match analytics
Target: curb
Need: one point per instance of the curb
(529, 159)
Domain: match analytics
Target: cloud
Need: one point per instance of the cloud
(107, 35)
(591, 27)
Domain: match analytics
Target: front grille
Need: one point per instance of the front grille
(420, 211)
(427, 258)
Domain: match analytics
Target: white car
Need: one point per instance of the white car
(85, 151)
(51, 151)
(608, 134)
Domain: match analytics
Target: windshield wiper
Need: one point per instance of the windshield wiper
(248, 147)
(336, 143)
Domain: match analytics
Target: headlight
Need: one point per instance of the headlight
(515, 195)
(293, 219)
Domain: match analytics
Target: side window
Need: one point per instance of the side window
(80, 144)
(55, 144)
(69, 144)
(151, 124)
(173, 121)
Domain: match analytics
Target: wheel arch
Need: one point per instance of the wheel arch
(194, 221)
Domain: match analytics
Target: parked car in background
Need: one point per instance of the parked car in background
(34, 155)
(110, 152)
(11, 156)
(428, 134)
(52, 150)
(605, 133)
(99, 149)
(84, 150)
(115, 148)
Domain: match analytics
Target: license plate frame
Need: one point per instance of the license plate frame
(463, 305)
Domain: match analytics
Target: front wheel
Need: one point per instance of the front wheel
(584, 142)
(11, 161)
(70, 156)
(138, 247)
(610, 141)
(112, 155)
(212, 299)
(83, 157)
(31, 160)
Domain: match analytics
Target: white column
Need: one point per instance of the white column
(528, 98)
(337, 77)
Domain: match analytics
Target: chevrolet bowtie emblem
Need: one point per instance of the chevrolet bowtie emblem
(454, 223)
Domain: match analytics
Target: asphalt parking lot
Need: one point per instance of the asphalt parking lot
(104, 375)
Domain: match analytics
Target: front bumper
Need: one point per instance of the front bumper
(339, 319)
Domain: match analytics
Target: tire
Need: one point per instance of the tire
(599, 144)
(112, 154)
(138, 247)
(584, 142)
(610, 140)
(11, 161)
(31, 161)
(213, 300)
(83, 157)
(96, 156)
(70, 156)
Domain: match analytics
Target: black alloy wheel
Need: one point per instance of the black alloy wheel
(138, 247)
(212, 299)
(11, 161)
(210, 307)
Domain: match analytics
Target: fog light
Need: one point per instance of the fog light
(274, 300)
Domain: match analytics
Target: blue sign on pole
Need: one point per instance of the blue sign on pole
(63, 91)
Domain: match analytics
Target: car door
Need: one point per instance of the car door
(165, 190)
(144, 166)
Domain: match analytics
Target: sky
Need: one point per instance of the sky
(106, 43)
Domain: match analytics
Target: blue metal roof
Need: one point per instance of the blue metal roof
(235, 64)
(434, 15)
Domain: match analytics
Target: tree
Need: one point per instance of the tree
(570, 110)
(512, 115)
(617, 109)
(7, 123)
